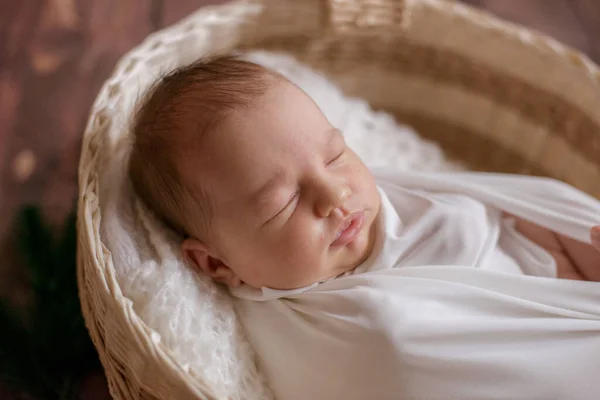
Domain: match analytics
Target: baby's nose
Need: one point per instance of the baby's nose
(333, 197)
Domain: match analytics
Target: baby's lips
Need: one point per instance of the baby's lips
(349, 230)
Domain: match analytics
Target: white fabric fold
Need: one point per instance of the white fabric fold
(453, 302)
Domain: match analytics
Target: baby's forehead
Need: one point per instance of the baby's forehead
(247, 145)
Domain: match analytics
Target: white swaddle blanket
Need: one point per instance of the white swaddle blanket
(452, 304)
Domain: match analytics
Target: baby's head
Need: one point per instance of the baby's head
(245, 165)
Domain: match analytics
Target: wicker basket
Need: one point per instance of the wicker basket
(494, 95)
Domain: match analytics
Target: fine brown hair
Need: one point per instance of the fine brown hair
(175, 114)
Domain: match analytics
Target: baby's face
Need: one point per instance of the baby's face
(293, 205)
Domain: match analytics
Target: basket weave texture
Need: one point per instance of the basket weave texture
(494, 95)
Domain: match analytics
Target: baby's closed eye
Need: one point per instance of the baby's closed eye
(285, 212)
(336, 157)
(336, 148)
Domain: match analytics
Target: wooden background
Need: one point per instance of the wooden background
(55, 54)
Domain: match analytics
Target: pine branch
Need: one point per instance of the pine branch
(49, 355)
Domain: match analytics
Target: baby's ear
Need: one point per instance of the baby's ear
(201, 256)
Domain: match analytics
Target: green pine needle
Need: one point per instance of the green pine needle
(47, 354)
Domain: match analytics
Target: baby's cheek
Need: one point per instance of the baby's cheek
(360, 176)
(306, 241)
(305, 245)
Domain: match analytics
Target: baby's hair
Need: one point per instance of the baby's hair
(168, 126)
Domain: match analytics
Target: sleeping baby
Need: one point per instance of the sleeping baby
(369, 284)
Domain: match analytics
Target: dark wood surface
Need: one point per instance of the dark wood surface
(55, 54)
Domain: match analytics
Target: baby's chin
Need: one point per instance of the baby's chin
(370, 236)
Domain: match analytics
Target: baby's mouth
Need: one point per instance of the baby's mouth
(349, 230)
